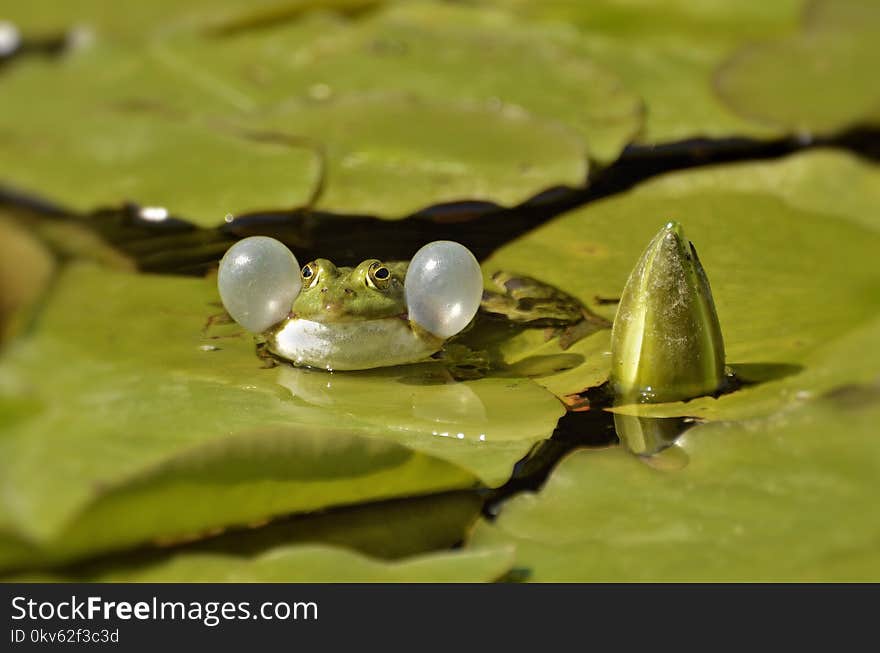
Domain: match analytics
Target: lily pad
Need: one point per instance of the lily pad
(667, 53)
(818, 81)
(310, 564)
(212, 439)
(434, 51)
(793, 277)
(784, 498)
(536, 354)
(659, 20)
(391, 154)
(105, 143)
(122, 22)
(390, 529)
(455, 104)
(484, 426)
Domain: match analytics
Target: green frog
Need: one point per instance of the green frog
(354, 318)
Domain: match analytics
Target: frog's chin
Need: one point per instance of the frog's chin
(357, 345)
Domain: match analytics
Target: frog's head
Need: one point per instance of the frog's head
(372, 290)
(261, 286)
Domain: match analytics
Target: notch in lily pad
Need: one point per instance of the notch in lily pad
(666, 342)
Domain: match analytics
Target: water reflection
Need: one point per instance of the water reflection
(646, 436)
(654, 439)
(413, 398)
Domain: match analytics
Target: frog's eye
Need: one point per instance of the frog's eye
(444, 287)
(309, 274)
(258, 280)
(379, 275)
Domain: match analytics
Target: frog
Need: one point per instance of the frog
(351, 318)
(360, 317)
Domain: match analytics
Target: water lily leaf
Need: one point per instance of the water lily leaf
(785, 498)
(792, 276)
(667, 53)
(809, 181)
(818, 81)
(484, 426)
(389, 529)
(224, 450)
(105, 142)
(659, 20)
(212, 439)
(311, 564)
(392, 154)
(115, 21)
(387, 115)
(436, 52)
(533, 353)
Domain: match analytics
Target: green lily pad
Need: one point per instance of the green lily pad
(225, 450)
(211, 438)
(390, 529)
(809, 181)
(392, 154)
(105, 142)
(437, 116)
(785, 498)
(85, 507)
(433, 51)
(534, 354)
(667, 53)
(793, 277)
(123, 22)
(311, 564)
(483, 426)
(659, 20)
(818, 81)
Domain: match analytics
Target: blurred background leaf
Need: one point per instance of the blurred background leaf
(817, 81)
(416, 106)
(667, 53)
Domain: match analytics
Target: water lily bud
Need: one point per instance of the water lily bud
(666, 342)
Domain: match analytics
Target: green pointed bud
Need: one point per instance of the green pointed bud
(666, 342)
